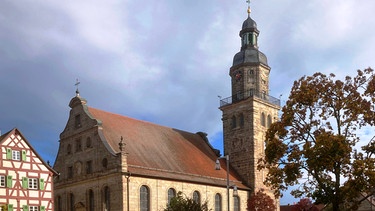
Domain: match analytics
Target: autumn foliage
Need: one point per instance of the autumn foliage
(304, 204)
(260, 201)
(311, 147)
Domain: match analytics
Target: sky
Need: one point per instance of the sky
(164, 61)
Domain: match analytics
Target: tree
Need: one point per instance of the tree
(312, 145)
(180, 203)
(304, 204)
(260, 201)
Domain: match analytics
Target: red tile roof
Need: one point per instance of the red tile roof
(159, 151)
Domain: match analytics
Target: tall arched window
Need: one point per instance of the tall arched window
(106, 199)
(234, 122)
(171, 194)
(269, 121)
(144, 198)
(91, 200)
(263, 119)
(71, 202)
(69, 149)
(236, 203)
(58, 203)
(242, 121)
(217, 202)
(197, 197)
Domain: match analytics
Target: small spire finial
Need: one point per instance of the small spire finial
(121, 144)
(248, 7)
(76, 84)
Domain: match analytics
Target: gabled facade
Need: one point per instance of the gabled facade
(26, 181)
(112, 162)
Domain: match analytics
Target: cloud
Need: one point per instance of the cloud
(161, 61)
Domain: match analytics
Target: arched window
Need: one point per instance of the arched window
(171, 194)
(91, 200)
(69, 149)
(236, 203)
(105, 163)
(263, 119)
(251, 77)
(58, 203)
(197, 197)
(242, 121)
(88, 142)
(269, 121)
(234, 122)
(144, 198)
(71, 202)
(217, 202)
(106, 199)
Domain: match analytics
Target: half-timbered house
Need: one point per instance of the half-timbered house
(25, 179)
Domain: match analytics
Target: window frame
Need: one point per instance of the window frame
(218, 202)
(33, 208)
(16, 155)
(89, 167)
(3, 181)
(197, 197)
(33, 183)
(144, 198)
(236, 203)
(171, 194)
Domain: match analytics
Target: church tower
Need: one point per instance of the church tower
(250, 110)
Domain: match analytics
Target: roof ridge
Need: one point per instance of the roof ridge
(138, 120)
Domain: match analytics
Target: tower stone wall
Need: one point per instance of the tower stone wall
(249, 112)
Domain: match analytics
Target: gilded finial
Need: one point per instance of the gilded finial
(248, 7)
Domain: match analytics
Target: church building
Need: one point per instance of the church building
(112, 162)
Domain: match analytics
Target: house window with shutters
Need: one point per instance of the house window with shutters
(6, 181)
(33, 183)
(15, 154)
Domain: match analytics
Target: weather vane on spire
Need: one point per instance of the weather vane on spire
(76, 84)
(248, 7)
